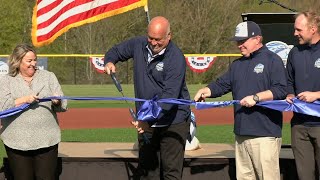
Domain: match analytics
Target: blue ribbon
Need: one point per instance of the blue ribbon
(206, 105)
(298, 106)
(150, 109)
(14, 110)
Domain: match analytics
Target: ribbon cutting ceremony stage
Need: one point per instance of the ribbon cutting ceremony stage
(88, 161)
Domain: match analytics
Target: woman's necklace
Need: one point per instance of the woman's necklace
(28, 80)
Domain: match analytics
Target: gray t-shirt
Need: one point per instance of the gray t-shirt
(37, 127)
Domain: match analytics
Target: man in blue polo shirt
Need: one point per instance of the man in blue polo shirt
(259, 75)
(303, 68)
(159, 70)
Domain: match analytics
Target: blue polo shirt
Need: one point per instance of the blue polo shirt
(164, 76)
(303, 68)
(263, 70)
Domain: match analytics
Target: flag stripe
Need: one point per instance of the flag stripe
(56, 17)
(65, 13)
(44, 3)
(61, 25)
(39, 1)
(55, 9)
(47, 7)
(73, 16)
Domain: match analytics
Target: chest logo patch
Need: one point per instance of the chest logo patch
(317, 63)
(159, 66)
(259, 68)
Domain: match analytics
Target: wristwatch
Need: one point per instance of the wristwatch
(256, 98)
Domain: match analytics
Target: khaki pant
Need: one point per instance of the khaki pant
(257, 158)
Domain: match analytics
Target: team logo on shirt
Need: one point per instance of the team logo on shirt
(159, 66)
(317, 63)
(259, 68)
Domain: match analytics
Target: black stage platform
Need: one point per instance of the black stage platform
(95, 161)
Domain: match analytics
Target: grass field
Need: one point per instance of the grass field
(205, 134)
(111, 91)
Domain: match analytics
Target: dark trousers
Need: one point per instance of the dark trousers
(163, 157)
(306, 149)
(40, 164)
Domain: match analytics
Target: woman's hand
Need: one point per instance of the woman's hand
(56, 102)
(26, 99)
(31, 99)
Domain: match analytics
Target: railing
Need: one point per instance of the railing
(77, 69)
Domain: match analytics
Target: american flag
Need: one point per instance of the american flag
(51, 18)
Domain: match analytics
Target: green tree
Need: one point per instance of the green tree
(198, 26)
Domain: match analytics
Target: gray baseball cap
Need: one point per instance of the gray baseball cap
(246, 30)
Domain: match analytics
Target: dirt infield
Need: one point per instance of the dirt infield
(81, 118)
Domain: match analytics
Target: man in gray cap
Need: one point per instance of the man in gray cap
(259, 75)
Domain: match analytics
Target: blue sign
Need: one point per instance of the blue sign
(280, 48)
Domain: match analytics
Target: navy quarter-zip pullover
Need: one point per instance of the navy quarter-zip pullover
(263, 70)
(303, 69)
(164, 76)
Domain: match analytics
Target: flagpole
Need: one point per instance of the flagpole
(147, 12)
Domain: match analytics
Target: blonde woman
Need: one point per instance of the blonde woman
(31, 137)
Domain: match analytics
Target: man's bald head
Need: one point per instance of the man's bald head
(160, 24)
(159, 34)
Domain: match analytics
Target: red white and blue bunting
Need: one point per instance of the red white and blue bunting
(200, 64)
(98, 63)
